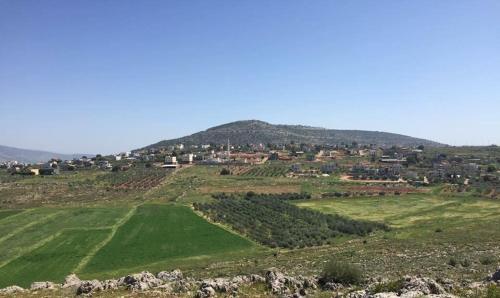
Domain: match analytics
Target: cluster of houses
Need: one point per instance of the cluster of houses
(362, 163)
(54, 166)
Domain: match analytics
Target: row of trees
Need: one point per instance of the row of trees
(273, 222)
(285, 196)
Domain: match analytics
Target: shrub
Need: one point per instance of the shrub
(487, 259)
(493, 292)
(390, 286)
(225, 171)
(341, 272)
(452, 261)
(465, 262)
(438, 230)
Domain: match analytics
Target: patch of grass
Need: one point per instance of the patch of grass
(487, 259)
(7, 213)
(390, 286)
(159, 233)
(52, 261)
(465, 262)
(341, 272)
(493, 292)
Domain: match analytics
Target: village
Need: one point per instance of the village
(416, 166)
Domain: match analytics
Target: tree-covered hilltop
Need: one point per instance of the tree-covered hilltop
(259, 132)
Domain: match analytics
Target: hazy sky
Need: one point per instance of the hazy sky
(103, 76)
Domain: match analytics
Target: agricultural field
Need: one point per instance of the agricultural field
(53, 260)
(49, 243)
(135, 178)
(280, 170)
(77, 187)
(272, 221)
(156, 234)
(155, 228)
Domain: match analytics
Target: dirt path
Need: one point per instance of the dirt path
(100, 245)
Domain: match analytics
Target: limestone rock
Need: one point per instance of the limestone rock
(42, 285)
(71, 281)
(88, 287)
(11, 290)
(140, 281)
(170, 276)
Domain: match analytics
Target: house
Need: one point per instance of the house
(170, 160)
(48, 171)
(105, 165)
(186, 158)
(328, 168)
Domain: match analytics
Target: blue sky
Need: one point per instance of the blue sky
(106, 76)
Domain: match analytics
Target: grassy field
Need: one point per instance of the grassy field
(53, 260)
(7, 213)
(49, 243)
(73, 222)
(159, 233)
(414, 212)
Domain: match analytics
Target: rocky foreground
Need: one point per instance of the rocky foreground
(274, 283)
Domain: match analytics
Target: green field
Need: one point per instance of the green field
(158, 233)
(268, 171)
(7, 213)
(52, 261)
(98, 232)
(49, 243)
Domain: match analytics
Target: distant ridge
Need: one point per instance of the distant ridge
(32, 156)
(260, 132)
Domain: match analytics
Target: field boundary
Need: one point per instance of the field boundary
(15, 215)
(112, 233)
(32, 248)
(224, 227)
(29, 225)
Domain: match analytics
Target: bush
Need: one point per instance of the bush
(493, 292)
(438, 230)
(391, 286)
(487, 260)
(225, 172)
(452, 262)
(341, 272)
(465, 262)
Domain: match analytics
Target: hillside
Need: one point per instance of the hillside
(31, 156)
(259, 132)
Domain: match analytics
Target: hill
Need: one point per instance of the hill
(260, 132)
(31, 156)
